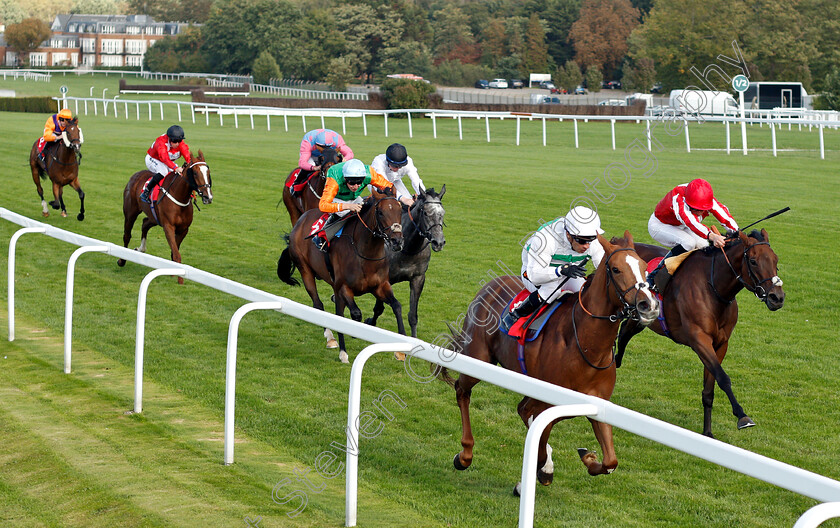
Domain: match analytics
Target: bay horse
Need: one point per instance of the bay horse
(62, 162)
(700, 310)
(310, 195)
(422, 232)
(173, 210)
(574, 349)
(355, 263)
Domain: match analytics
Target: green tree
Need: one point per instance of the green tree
(182, 53)
(821, 22)
(25, 36)
(368, 33)
(340, 73)
(829, 99)
(265, 68)
(494, 41)
(403, 93)
(324, 42)
(639, 75)
(536, 48)
(509, 67)
(407, 57)
(600, 34)
(594, 77)
(514, 29)
(11, 12)
(452, 37)
(95, 7)
(559, 15)
(569, 76)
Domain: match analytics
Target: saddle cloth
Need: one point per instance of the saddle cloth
(671, 264)
(297, 187)
(155, 192)
(536, 326)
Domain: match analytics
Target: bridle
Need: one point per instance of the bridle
(627, 310)
(420, 224)
(756, 288)
(378, 231)
(191, 182)
(75, 145)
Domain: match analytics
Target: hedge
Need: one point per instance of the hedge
(38, 105)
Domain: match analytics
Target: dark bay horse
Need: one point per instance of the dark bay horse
(62, 161)
(357, 263)
(422, 232)
(173, 210)
(310, 195)
(700, 309)
(574, 349)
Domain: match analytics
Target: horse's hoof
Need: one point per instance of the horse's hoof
(582, 452)
(63, 214)
(369, 321)
(80, 217)
(55, 205)
(457, 463)
(517, 490)
(343, 357)
(745, 422)
(120, 262)
(399, 356)
(545, 478)
(332, 343)
(46, 214)
(180, 280)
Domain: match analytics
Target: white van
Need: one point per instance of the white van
(702, 102)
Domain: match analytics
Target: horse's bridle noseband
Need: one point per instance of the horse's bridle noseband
(627, 310)
(191, 167)
(378, 231)
(756, 288)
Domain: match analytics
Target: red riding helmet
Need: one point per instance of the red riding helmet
(699, 195)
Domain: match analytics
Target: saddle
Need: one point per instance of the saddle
(155, 195)
(671, 264)
(519, 330)
(297, 187)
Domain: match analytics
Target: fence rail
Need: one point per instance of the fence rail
(788, 477)
(26, 75)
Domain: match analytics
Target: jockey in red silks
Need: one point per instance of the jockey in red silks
(310, 151)
(161, 156)
(53, 131)
(677, 221)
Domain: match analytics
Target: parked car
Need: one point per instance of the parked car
(516, 83)
(544, 99)
(612, 102)
(613, 85)
(499, 83)
(580, 90)
(547, 85)
(482, 83)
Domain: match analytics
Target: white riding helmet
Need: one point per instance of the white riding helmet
(583, 221)
(354, 170)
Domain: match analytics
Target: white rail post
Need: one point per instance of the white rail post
(612, 129)
(286, 121)
(687, 140)
(230, 369)
(543, 128)
(410, 130)
(818, 514)
(647, 133)
(743, 132)
(12, 245)
(460, 129)
(822, 143)
(351, 492)
(192, 112)
(529, 460)
(726, 124)
(434, 126)
(343, 123)
(773, 136)
(176, 104)
(386, 125)
(517, 130)
(487, 126)
(68, 299)
(235, 117)
(577, 144)
(364, 123)
(141, 330)
(303, 119)
(322, 121)
(161, 111)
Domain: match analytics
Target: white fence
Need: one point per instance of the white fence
(26, 75)
(142, 74)
(783, 475)
(187, 110)
(308, 94)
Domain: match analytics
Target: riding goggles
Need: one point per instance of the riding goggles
(583, 240)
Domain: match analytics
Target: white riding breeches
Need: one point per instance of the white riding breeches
(549, 290)
(157, 166)
(670, 235)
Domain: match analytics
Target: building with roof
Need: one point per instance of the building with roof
(96, 40)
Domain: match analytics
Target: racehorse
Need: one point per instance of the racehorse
(700, 310)
(173, 210)
(422, 232)
(574, 349)
(310, 195)
(62, 166)
(355, 263)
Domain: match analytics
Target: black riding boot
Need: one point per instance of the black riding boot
(156, 179)
(320, 240)
(658, 279)
(527, 307)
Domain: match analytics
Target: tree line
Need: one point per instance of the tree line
(456, 42)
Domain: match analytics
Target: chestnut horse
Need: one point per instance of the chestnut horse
(423, 232)
(310, 195)
(574, 349)
(356, 264)
(62, 161)
(700, 310)
(173, 211)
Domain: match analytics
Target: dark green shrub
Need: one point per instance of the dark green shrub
(38, 105)
(403, 93)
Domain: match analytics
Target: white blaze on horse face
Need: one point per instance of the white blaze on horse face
(66, 140)
(635, 266)
(205, 172)
(776, 281)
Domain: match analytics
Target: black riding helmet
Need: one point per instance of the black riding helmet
(175, 133)
(396, 155)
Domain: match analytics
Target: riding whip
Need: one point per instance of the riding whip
(771, 215)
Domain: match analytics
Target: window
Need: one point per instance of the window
(108, 28)
(56, 43)
(71, 28)
(59, 59)
(88, 45)
(74, 59)
(136, 47)
(89, 60)
(37, 59)
(112, 60)
(132, 30)
(134, 60)
(112, 46)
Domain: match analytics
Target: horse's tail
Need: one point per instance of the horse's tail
(452, 342)
(285, 266)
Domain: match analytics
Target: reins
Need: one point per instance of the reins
(756, 288)
(376, 234)
(196, 187)
(418, 225)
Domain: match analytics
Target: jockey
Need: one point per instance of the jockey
(676, 222)
(345, 183)
(554, 260)
(310, 150)
(395, 164)
(53, 131)
(161, 156)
